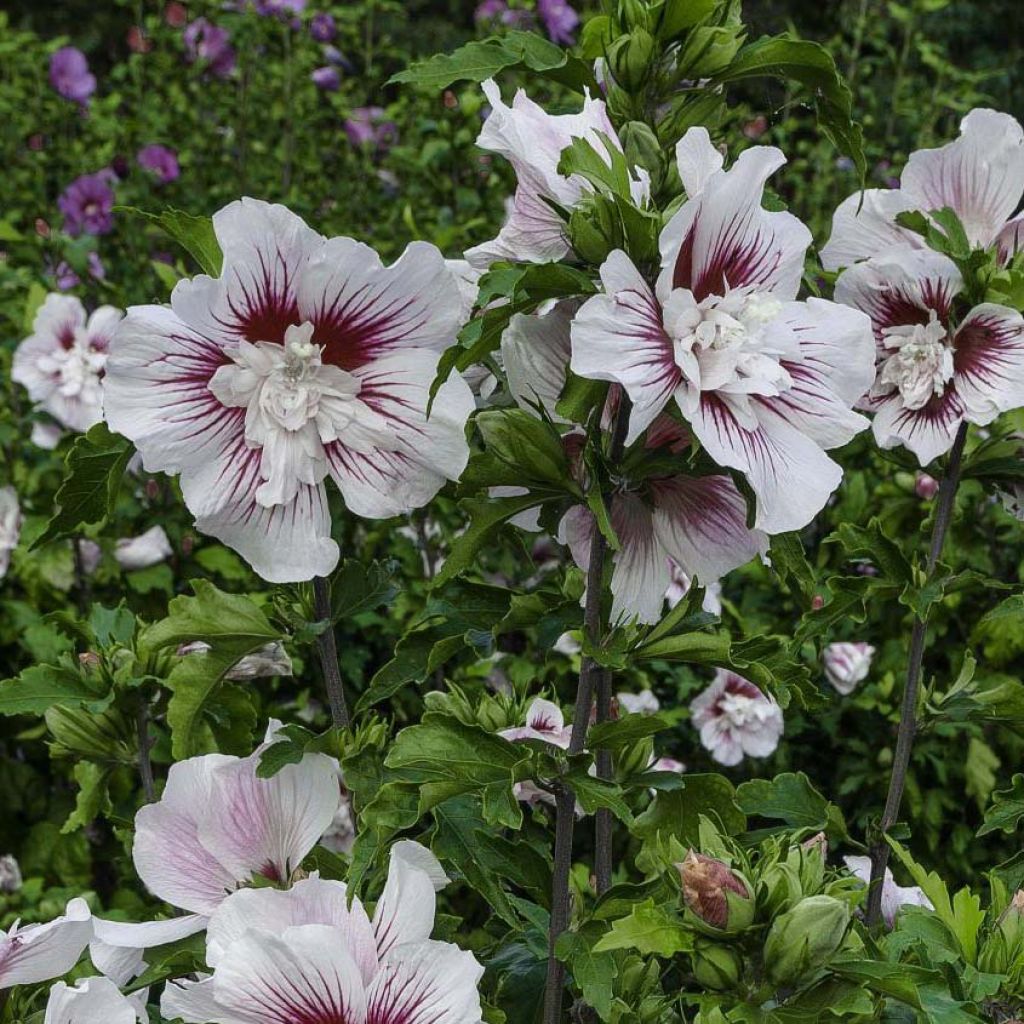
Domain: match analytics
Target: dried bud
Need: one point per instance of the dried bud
(805, 938)
(88, 660)
(42, 228)
(817, 842)
(714, 894)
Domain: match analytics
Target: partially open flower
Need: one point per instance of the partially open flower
(893, 896)
(847, 665)
(148, 549)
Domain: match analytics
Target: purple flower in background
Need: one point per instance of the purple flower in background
(322, 28)
(88, 203)
(162, 161)
(326, 78)
(65, 277)
(367, 126)
(279, 8)
(207, 42)
(334, 56)
(490, 10)
(560, 20)
(69, 75)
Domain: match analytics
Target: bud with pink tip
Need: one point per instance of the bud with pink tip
(926, 487)
(714, 894)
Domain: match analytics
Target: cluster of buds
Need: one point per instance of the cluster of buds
(1003, 949)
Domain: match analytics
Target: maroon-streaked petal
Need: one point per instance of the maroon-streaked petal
(988, 362)
(640, 568)
(1011, 238)
(928, 432)
(864, 225)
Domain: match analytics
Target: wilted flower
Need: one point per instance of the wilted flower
(735, 719)
(306, 358)
(88, 204)
(62, 362)
(714, 893)
(95, 1000)
(642, 703)
(10, 526)
(560, 20)
(326, 78)
(149, 548)
(161, 161)
(69, 75)
(209, 44)
(322, 27)
(39, 952)
(893, 896)
(847, 665)
(532, 141)
(765, 383)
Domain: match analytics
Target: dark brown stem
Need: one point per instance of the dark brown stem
(565, 800)
(328, 650)
(908, 710)
(145, 745)
(603, 863)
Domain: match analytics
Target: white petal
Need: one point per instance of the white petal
(39, 952)
(619, 337)
(405, 911)
(426, 983)
(640, 573)
(192, 1001)
(535, 351)
(91, 1001)
(928, 432)
(146, 934)
(980, 175)
(697, 160)
(149, 548)
(864, 225)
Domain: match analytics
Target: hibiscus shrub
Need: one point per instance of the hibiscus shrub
(608, 612)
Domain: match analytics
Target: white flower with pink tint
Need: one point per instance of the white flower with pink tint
(544, 722)
(306, 359)
(642, 703)
(765, 383)
(39, 952)
(148, 549)
(894, 896)
(61, 363)
(937, 366)
(218, 825)
(308, 954)
(736, 719)
(847, 665)
(10, 526)
(532, 141)
(980, 176)
(91, 1001)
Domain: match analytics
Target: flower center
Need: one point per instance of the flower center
(76, 370)
(921, 363)
(741, 710)
(295, 405)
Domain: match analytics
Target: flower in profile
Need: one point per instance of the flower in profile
(39, 952)
(306, 358)
(69, 75)
(560, 20)
(308, 954)
(765, 383)
(209, 45)
(847, 665)
(62, 362)
(894, 896)
(160, 161)
(939, 364)
(10, 526)
(532, 141)
(88, 204)
(736, 719)
(980, 176)
(322, 27)
(95, 1000)
(218, 825)
(148, 549)
(326, 78)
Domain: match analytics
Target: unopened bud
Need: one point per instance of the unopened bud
(631, 58)
(925, 486)
(817, 602)
(714, 894)
(88, 660)
(594, 229)
(715, 966)
(805, 938)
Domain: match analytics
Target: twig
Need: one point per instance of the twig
(328, 649)
(908, 709)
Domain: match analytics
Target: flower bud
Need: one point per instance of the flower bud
(594, 229)
(804, 938)
(1002, 952)
(643, 149)
(100, 737)
(708, 50)
(715, 895)
(847, 665)
(925, 486)
(715, 966)
(10, 874)
(630, 59)
(634, 14)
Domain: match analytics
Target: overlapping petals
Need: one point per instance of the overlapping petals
(39, 952)
(308, 954)
(544, 722)
(765, 383)
(932, 373)
(91, 1001)
(980, 176)
(61, 363)
(306, 358)
(736, 719)
(532, 141)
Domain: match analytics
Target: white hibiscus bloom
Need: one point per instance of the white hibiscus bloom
(148, 549)
(62, 361)
(642, 703)
(847, 665)
(980, 176)
(736, 719)
(894, 896)
(308, 954)
(91, 1001)
(306, 358)
(765, 383)
(935, 369)
(10, 526)
(545, 722)
(39, 952)
(532, 140)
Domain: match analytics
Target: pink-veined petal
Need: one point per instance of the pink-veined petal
(39, 952)
(928, 432)
(405, 911)
(864, 225)
(640, 568)
(989, 362)
(426, 983)
(618, 336)
(1011, 238)
(90, 1001)
(980, 175)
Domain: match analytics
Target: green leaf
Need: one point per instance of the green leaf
(92, 798)
(194, 234)
(529, 446)
(92, 480)
(790, 562)
(595, 972)
(357, 587)
(593, 793)
(792, 799)
(650, 930)
(624, 732)
(41, 687)
(1007, 809)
